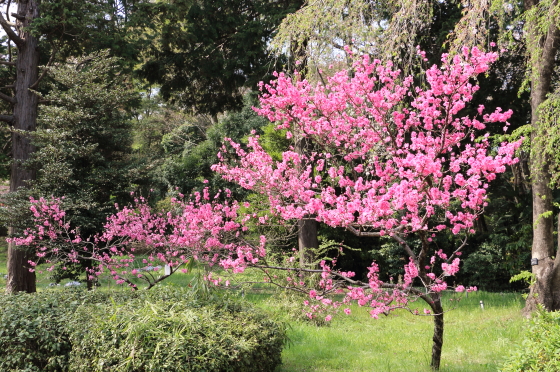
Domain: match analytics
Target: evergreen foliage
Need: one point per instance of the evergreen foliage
(84, 139)
(202, 53)
(188, 165)
(538, 352)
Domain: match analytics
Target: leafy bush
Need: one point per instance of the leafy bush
(168, 330)
(34, 329)
(539, 350)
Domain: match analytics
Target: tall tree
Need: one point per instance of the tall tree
(83, 144)
(55, 29)
(23, 119)
(203, 53)
(543, 41)
(535, 25)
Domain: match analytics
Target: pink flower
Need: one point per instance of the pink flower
(451, 269)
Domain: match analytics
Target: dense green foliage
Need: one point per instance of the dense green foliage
(188, 163)
(167, 330)
(84, 139)
(201, 53)
(538, 352)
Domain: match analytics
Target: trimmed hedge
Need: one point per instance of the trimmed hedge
(168, 330)
(540, 350)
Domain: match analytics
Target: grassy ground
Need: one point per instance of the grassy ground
(475, 339)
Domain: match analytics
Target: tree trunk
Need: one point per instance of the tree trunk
(25, 119)
(438, 331)
(307, 238)
(307, 228)
(545, 290)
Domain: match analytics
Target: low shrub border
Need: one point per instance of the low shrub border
(168, 330)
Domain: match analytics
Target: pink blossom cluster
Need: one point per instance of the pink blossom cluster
(200, 228)
(386, 158)
(387, 155)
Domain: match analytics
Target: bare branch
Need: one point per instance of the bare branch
(454, 254)
(412, 290)
(11, 33)
(18, 16)
(9, 87)
(7, 98)
(353, 230)
(35, 84)
(405, 245)
(162, 277)
(7, 118)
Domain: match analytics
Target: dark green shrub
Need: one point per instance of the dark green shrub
(168, 330)
(34, 329)
(539, 351)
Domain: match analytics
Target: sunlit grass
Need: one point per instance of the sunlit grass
(474, 340)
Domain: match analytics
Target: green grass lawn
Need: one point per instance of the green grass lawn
(474, 340)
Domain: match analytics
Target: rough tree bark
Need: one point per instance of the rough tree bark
(24, 118)
(546, 289)
(437, 339)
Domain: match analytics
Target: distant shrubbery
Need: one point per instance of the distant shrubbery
(168, 330)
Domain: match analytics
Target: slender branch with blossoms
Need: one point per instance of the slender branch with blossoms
(198, 228)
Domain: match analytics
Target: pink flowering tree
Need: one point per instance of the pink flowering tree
(388, 159)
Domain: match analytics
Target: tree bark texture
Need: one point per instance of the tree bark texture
(307, 227)
(546, 289)
(307, 238)
(438, 331)
(25, 119)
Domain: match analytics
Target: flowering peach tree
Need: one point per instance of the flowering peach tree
(388, 158)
